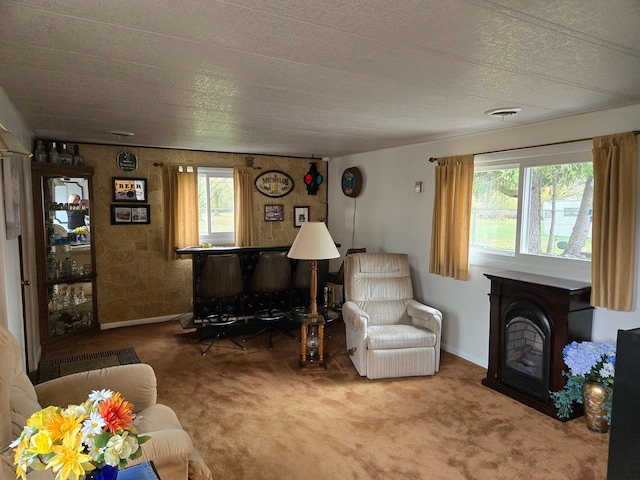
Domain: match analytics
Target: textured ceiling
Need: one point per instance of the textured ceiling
(309, 77)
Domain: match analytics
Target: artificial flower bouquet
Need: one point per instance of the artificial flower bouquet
(83, 230)
(75, 440)
(586, 361)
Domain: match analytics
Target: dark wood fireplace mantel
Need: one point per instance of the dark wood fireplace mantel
(565, 304)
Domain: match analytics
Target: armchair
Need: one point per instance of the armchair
(388, 333)
(169, 448)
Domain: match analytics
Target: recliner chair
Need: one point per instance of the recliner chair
(388, 333)
(170, 447)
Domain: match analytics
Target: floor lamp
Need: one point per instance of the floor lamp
(313, 243)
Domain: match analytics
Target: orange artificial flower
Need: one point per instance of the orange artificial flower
(117, 413)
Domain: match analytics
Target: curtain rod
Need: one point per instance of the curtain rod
(161, 164)
(434, 159)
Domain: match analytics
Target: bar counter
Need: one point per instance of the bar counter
(247, 302)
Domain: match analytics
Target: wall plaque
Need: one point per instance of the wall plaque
(274, 183)
(127, 161)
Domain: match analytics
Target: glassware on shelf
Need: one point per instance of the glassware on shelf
(80, 299)
(40, 155)
(52, 265)
(65, 157)
(53, 154)
(67, 266)
(77, 159)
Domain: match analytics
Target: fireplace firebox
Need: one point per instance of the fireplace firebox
(532, 318)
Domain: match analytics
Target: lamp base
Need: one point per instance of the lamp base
(310, 366)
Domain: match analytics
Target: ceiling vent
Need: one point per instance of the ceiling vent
(503, 112)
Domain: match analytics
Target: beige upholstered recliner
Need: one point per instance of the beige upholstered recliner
(170, 446)
(389, 334)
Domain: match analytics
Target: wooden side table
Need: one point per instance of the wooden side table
(312, 357)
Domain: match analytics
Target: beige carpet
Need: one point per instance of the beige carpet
(253, 415)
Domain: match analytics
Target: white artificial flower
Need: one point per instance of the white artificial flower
(98, 396)
(119, 447)
(93, 425)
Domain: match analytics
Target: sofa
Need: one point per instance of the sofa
(169, 448)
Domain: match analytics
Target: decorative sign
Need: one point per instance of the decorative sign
(127, 161)
(351, 182)
(274, 183)
(129, 189)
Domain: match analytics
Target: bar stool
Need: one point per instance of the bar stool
(272, 274)
(220, 278)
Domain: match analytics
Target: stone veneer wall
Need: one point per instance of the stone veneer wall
(134, 281)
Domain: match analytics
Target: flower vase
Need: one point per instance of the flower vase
(105, 473)
(594, 396)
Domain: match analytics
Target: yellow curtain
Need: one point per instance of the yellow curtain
(245, 232)
(452, 217)
(614, 221)
(180, 209)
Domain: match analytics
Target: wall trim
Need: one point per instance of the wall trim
(459, 353)
(143, 321)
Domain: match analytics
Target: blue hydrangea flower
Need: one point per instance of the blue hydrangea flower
(588, 359)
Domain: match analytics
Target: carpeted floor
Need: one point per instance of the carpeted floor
(252, 414)
(59, 367)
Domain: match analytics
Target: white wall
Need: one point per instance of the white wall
(390, 217)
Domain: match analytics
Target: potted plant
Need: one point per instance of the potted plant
(589, 381)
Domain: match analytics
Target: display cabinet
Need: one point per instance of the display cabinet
(65, 254)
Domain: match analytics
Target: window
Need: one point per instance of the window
(533, 204)
(215, 205)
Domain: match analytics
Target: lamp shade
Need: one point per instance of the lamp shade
(313, 242)
(9, 144)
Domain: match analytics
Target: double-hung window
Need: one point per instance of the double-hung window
(215, 205)
(533, 206)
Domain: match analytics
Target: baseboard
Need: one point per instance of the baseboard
(480, 362)
(143, 321)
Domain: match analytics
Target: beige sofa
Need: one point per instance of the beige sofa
(170, 447)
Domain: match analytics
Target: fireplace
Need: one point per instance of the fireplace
(532, 318)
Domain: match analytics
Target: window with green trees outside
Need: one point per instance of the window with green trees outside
(534, 202)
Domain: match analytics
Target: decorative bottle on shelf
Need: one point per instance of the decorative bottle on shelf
(81, 298)
(52, 266)
(67, 266)
(53, 153)
(77, 159)
(40, 155)
(65, 158)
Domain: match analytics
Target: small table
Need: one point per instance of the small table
(312, 356)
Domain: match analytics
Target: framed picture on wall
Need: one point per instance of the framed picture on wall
(129, 189)
(130, 214)
(273, 213)
(300, 216)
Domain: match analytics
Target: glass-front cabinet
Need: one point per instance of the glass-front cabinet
(65, 254)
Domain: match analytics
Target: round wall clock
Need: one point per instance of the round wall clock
(351, 182)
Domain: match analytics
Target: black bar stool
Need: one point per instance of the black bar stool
(272, 274)
(221, 278)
